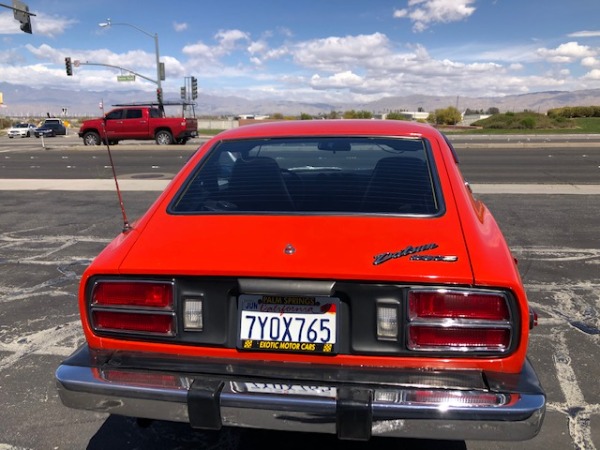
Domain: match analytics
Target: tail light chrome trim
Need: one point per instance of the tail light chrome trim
(459, 321)
(133, 307)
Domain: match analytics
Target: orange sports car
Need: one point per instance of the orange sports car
(321, 276)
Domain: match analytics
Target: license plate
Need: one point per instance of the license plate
(288, 323)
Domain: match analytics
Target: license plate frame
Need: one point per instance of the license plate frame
(288, 323)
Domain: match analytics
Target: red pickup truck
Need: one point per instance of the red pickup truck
(138, 122)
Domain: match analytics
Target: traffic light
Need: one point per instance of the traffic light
(69, 66)
(182, 92)
(159, 95)
(194, 88)
(21, 13)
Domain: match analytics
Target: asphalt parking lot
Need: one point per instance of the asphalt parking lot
(47, 238)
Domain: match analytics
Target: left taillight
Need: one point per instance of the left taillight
(459, 321)
(138, 307)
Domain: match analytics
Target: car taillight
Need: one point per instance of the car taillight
(130, 321)
(133, 293)
(458, 321)
(138, 307)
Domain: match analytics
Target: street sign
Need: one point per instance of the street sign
(125, 77)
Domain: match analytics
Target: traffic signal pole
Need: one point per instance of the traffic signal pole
(70, 63)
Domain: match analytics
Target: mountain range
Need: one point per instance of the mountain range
(22, 100)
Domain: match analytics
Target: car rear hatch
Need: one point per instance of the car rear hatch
(395, 249)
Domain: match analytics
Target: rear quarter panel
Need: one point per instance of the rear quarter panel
(492, 262)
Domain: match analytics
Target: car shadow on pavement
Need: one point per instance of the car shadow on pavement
(123, 433)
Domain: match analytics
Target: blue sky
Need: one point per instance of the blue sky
(313, 50)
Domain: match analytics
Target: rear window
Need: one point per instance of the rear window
(314, 175)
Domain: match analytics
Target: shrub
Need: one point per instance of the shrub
(447, 116)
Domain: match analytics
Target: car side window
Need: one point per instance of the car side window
(134, 114)
(155, 113)
(114, 115)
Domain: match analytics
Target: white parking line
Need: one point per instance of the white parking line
(50, 341)
(80, 185)
(22, 184)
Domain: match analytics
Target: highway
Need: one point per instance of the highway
(529, 160)
(49, 234)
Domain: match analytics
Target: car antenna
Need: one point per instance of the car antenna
(126, 225)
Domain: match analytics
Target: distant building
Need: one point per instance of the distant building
(251, 117)
(468, 119)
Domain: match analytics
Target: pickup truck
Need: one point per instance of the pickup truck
(138, 122)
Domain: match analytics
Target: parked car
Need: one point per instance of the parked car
(138, 122)
(51, 128)
(320, 276)
(21, 130)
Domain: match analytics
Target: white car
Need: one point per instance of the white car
(21, 130)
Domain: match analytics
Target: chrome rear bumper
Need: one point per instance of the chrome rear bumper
(348, 403)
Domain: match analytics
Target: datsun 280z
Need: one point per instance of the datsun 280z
(321, 276)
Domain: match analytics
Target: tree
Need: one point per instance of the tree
(352, 114)
(395, 116)
(447, 116)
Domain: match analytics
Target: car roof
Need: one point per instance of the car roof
(341, 127)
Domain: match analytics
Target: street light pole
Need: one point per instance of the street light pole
(154, 36)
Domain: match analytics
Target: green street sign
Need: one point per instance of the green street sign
(125, 77)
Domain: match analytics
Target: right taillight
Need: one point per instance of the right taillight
(458, 321)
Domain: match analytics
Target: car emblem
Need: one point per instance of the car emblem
(440, 258)
(413, 252)
(289, 249)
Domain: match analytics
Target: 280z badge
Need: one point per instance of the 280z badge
(411, 250)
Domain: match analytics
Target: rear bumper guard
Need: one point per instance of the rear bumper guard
(350, 410)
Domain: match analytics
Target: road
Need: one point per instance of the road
(47, 238)
(568, 159)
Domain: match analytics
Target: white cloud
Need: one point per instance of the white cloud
(227, 42)
(566, 53)
(590, 61)
(180, 26)
(228, 39)
(339, 80)
(592, 75)
(258, 47)
(341, 53)
(584, 34)
(424, 13)
(260, 52)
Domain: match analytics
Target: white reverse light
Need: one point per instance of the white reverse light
(193, 317)
(387, 320)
